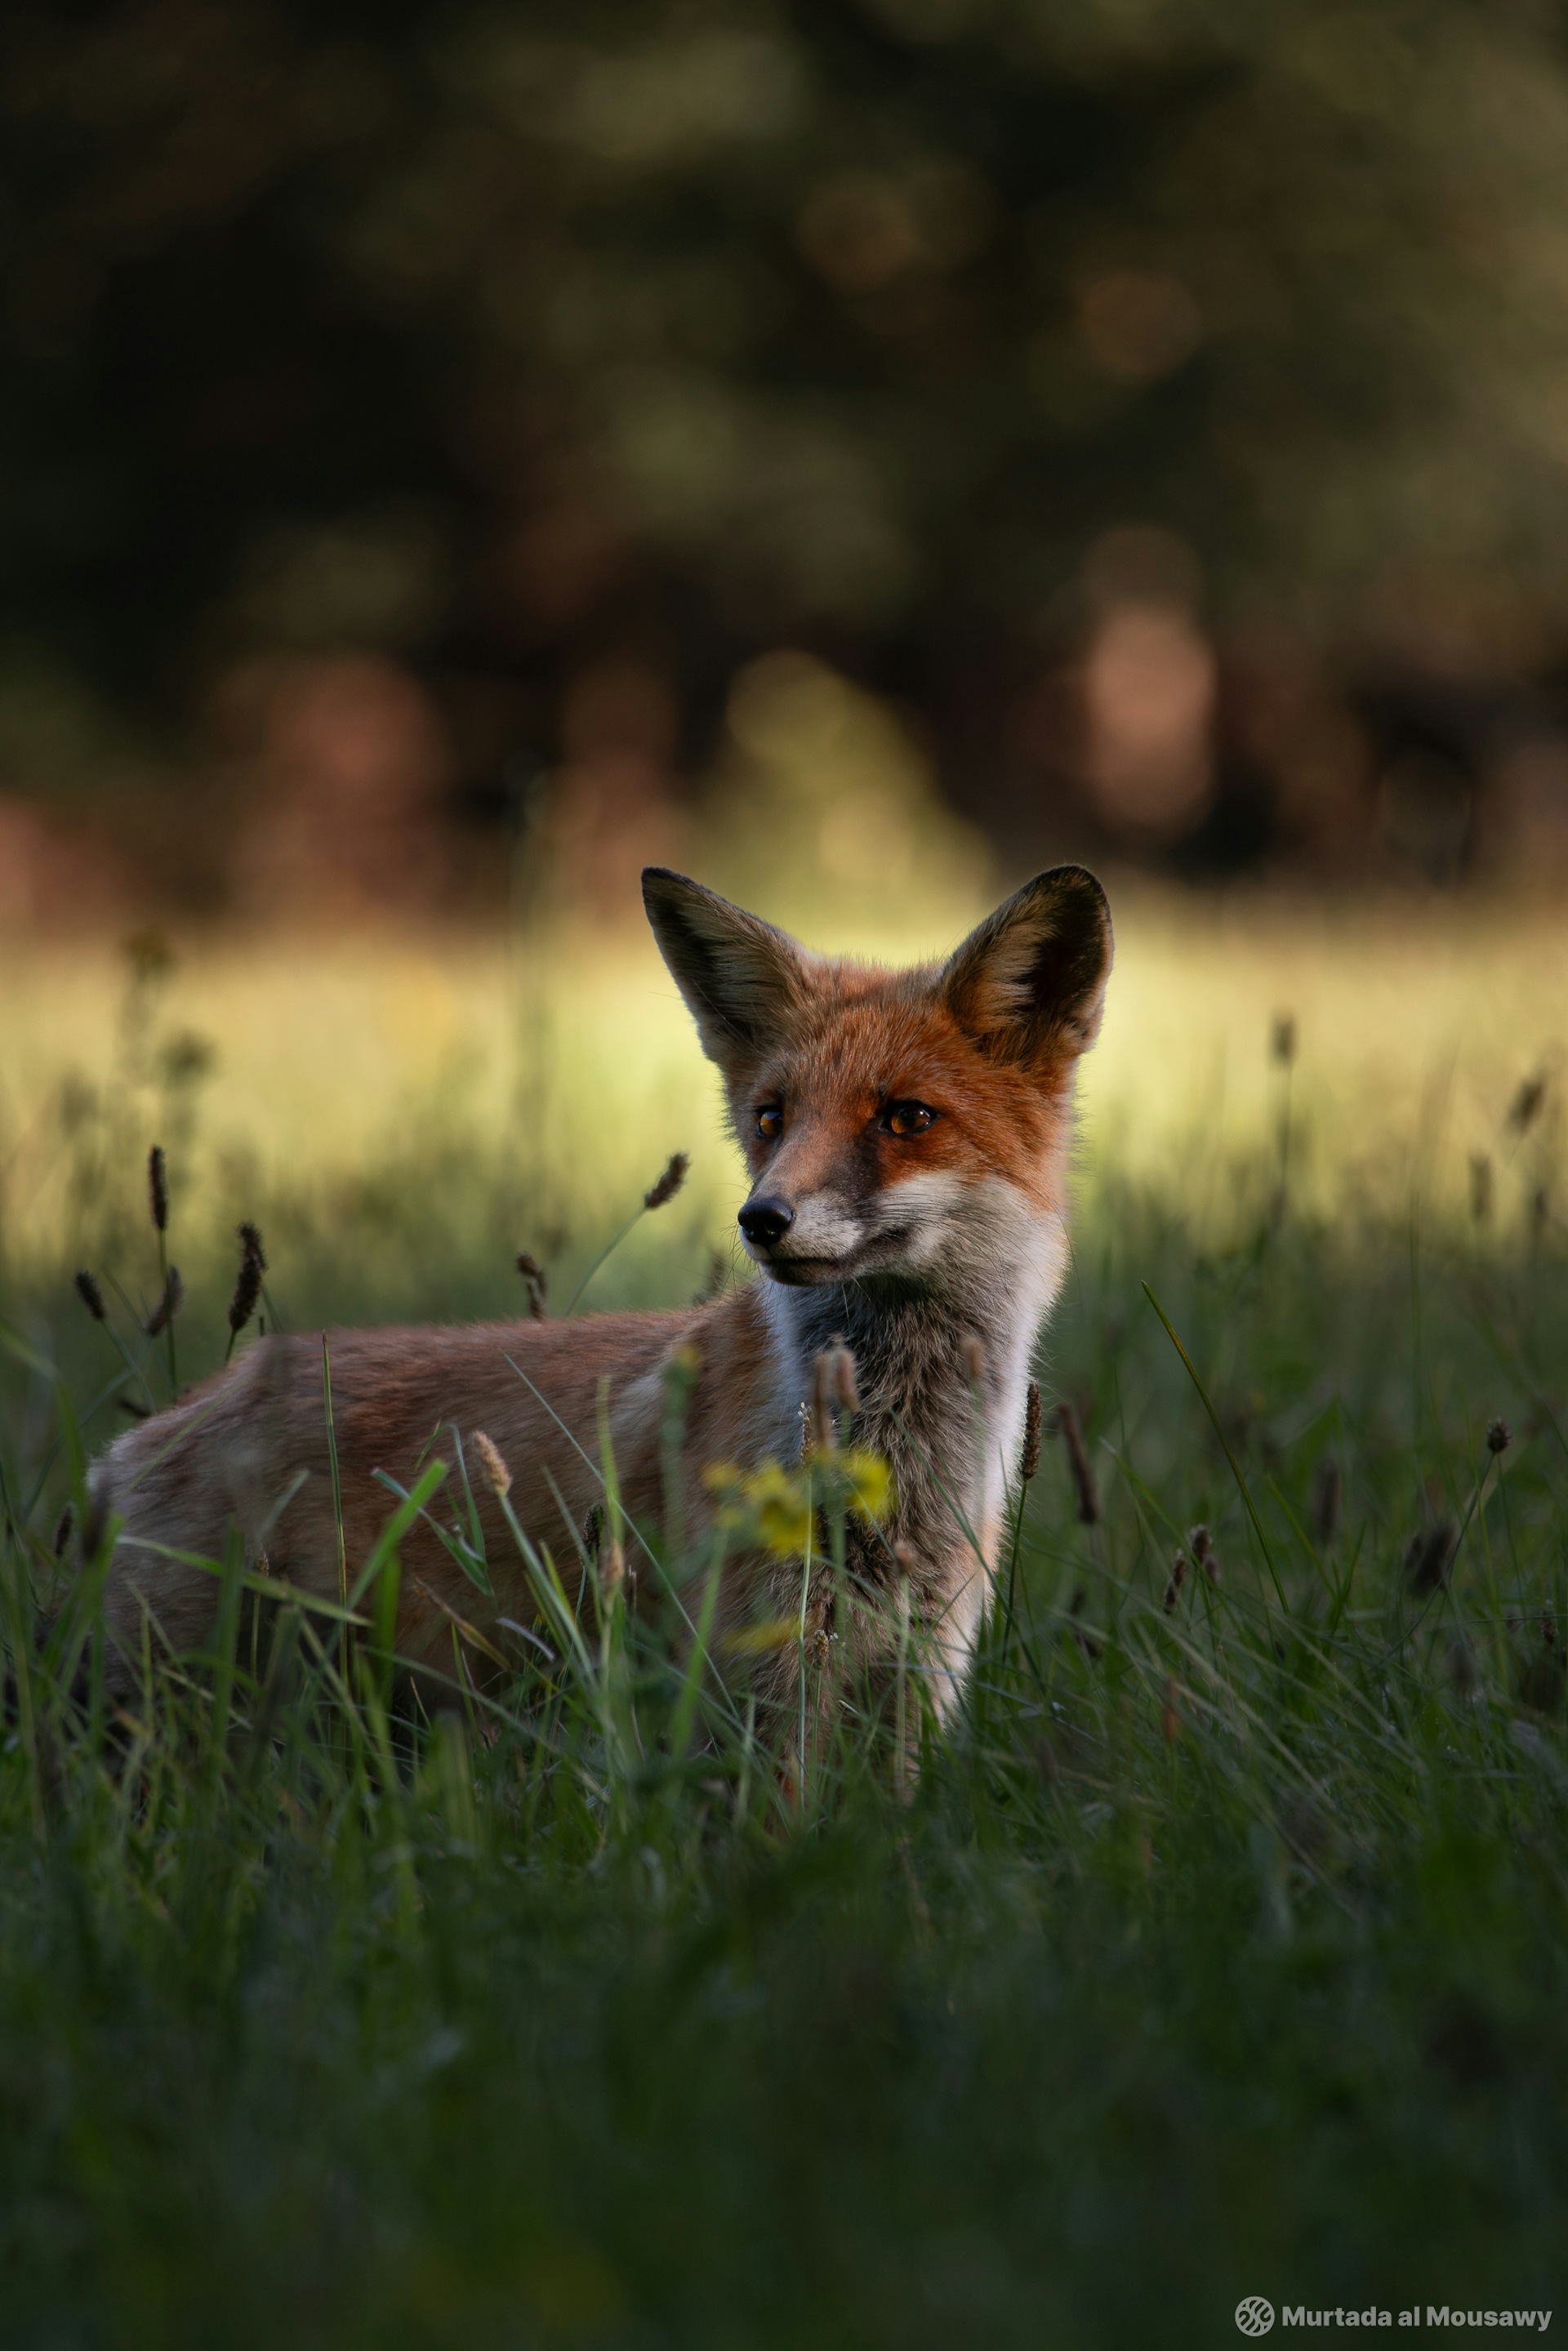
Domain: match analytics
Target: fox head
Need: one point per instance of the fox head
(895, 1123)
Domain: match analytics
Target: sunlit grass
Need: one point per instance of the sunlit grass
(566, 1067)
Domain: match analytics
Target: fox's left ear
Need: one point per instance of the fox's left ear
(1030, 983)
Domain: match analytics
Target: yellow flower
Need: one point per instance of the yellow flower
(771, 1506)
(775, 1506)
(868, 1483)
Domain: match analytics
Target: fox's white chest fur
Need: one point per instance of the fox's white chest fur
(943, 1364)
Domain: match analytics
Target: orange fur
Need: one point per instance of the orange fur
(937, 1252)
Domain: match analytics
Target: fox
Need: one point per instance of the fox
(907, 1135)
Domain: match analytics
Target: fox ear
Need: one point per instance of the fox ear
(742, 980)
(1030, 981)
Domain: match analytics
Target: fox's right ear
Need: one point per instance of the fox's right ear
(742, 980)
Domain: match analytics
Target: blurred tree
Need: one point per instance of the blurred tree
(493, 339)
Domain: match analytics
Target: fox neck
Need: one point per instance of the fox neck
(952, 1439)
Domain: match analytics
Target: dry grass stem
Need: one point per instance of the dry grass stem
(497, 1477)
(168, 1306)
(845, 1391)
(248, 1281)
(669, 1183)
(537, 1282)
(1078, 1461)
(1028, 1463)
(158, 1188)
(823, 1432)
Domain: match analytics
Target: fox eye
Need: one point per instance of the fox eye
(907, 1118)
(770, 1122)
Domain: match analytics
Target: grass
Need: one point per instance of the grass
(1221, 1949)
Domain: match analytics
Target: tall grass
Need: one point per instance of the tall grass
(1217, 1947)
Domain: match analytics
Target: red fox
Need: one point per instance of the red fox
(907, 1135)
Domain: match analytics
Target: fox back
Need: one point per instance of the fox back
(906, 1136)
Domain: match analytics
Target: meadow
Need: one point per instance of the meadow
(1219, 1948)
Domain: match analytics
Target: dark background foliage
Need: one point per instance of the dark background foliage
(496, 340)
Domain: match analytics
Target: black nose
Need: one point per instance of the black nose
(765, 1221)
